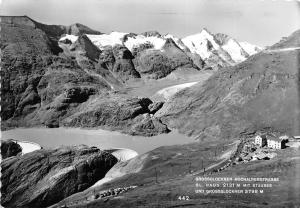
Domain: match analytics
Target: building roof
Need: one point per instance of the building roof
(271, 137)
(263, 136)
(284, 137)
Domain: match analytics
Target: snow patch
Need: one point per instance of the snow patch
(234, 50)
(28, 146)
(111, 39)
(124, 154)
(72, 38)
(132, 42)
(170, 91)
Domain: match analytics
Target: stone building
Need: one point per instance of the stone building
(261, 140)
(274, 142)
(271, 141)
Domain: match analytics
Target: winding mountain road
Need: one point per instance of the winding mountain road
(282, 49)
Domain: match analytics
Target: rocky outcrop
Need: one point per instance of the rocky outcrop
(63, 104)
(66, 41)
(154, 107)
(129, 35)
(20, 35)
(142, 47)
(151, 33)
(123, 66)
(10, 148)
(146, 125)
(153, 64)
(86, 48)
(215, 62)
(178, 57)
(118, 60)
(107, 58)
(171, 45)
(128, 115)
(80, 29)
(221, 38)
(159, 63)
(44, 177)
(198, 61)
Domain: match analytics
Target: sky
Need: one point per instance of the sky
(261, 22)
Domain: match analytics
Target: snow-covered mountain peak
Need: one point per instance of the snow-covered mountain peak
(201, 43)
(234, 49)
(111, 39)
(206, 44)
(206, 32)
(214, 49)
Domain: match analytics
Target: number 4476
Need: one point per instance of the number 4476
(186, 198)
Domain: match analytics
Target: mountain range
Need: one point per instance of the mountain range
(56, 75)
(74, 76)
(204, 46)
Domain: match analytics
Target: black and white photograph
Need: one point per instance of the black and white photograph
(150, 103)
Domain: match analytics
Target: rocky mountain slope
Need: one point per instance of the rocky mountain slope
(261, 92)
(9, 148)
(45, 81)
(56, 75)
(44, 177)
(292, 41)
